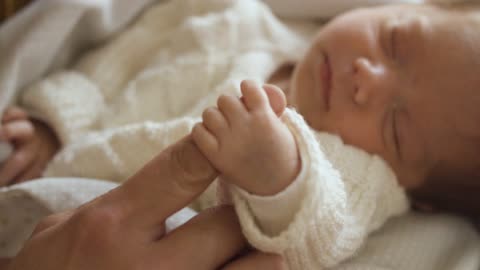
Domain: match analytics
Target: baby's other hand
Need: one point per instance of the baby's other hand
(34, 146)
(247, 142)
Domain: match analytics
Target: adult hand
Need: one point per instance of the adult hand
(34, 146)
(125, 228)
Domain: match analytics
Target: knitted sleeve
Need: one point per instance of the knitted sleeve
(340, 195)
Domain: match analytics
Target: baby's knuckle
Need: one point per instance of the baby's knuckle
(206, 112)
(224, 100)
(196, 128)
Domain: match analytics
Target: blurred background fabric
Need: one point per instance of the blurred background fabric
(10, 7)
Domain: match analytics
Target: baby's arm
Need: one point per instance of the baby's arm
(247, 142)
(324, 216)
(340, 196)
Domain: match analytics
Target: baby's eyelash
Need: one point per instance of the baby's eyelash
(396, 139)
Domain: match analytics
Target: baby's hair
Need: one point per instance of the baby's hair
(450, 189)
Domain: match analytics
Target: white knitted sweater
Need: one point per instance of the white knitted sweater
(124, 102)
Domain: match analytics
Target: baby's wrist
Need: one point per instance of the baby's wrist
(278, 182)
(289, 176)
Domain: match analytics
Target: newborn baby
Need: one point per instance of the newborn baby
(385, 81)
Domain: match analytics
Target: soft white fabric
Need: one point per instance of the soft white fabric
(324, 9)
(124, 102)
(250, 43)
(49, 33)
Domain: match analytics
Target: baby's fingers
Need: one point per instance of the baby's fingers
(18, 162)
(14, 113)
(34, 171)
(17, 130)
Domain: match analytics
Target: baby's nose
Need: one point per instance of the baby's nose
(369, 80)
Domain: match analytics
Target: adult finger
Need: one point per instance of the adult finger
(166, 184)
(18, 130)
(258, 260)
(208, 241)
(15, 164)
(14, 113)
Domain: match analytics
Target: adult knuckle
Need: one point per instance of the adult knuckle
(96, 224)
(184, 175)
(188, 170)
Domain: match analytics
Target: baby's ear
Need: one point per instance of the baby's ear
(276, 97)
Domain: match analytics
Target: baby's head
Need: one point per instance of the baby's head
(402, 82)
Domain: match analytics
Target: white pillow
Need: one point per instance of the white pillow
(322, 9)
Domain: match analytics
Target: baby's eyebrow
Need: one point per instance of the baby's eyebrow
(412, 31)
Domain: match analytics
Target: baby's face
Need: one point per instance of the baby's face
(398, 81)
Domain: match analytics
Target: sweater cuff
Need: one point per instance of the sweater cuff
(317, 180)
(67, 101)
(274, 213)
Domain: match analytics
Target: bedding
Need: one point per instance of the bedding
(395, 247)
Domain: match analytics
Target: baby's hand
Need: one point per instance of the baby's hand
(247, 142)
(34, 146)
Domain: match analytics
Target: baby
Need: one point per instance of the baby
(398, 82)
